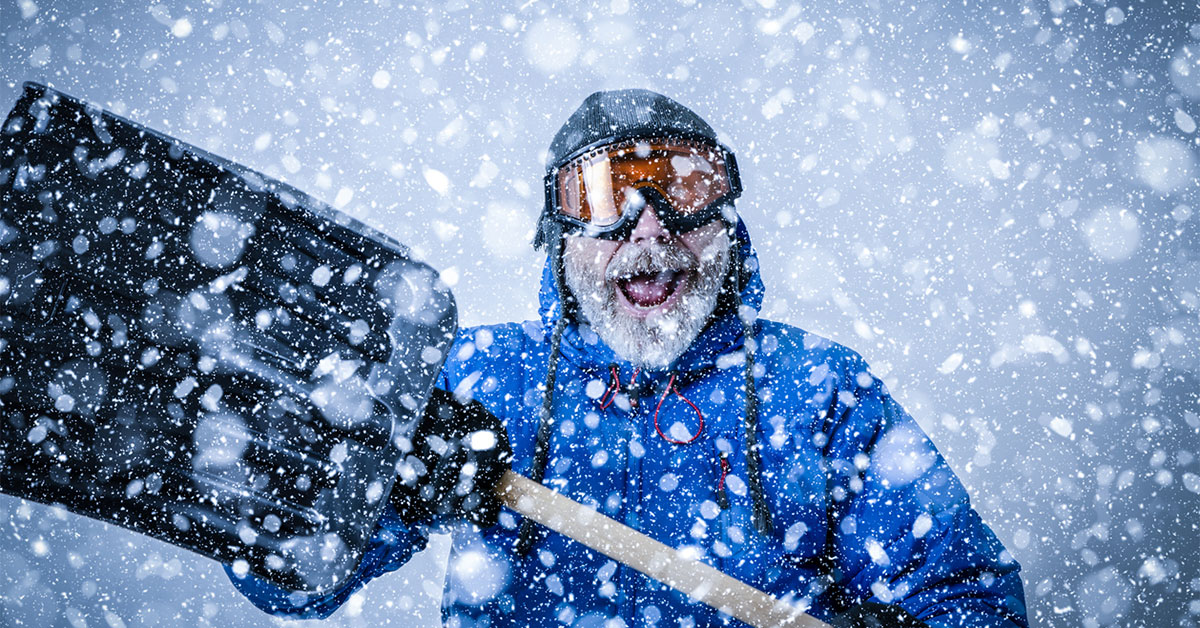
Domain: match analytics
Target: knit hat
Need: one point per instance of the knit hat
(612, 116)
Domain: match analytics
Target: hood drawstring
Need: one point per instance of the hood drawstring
(722, 495)
(666, 393)
(541, 448)
(614, 387)
(762, 513)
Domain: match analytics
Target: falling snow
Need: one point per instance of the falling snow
(994, 204)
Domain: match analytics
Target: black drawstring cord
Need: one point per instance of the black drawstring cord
(722, 494)
(762, 513)
(541, 448)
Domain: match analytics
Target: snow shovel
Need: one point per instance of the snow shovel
(199, 353)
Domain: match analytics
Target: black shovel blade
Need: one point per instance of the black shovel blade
(197, 352)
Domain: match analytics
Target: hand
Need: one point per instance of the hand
(875, 615)
(458, 453)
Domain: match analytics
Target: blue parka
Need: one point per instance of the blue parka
(863, 506)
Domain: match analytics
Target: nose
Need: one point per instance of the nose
(648, 227)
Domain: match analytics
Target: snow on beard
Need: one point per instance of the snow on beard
(656, 340)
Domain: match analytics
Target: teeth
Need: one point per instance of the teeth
(662, 275)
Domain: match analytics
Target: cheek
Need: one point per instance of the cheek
(707, 242)
(589, 254)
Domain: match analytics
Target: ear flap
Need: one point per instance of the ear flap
(556, 248)
(736, 275)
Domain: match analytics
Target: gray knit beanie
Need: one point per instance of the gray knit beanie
(612, 116)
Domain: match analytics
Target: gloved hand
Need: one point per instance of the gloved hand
(458, 453)
(876, 615)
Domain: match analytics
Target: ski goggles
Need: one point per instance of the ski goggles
(602, 191)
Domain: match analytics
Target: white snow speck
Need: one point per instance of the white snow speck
(321, 275)
(1185, 71)
(374, 491)
(182, 27)
(791, 538)
(437, 180)
(37, 434)
(150, 356)
(668, 482)
(1061, 426)
(1114, 16)
(483, 440)
(1164, 164)
(1112, 234)
(185, 387)
(680, 432)
(951, 363)
(218, 239)
(551, 45)
(1184, 121)
(1152, 569)
(881, 591)
(960, 45)
(339, 452)
(922, 525)
(64, 403)
(1035, 344)
(804, 32)
(594, 389)
(210, 397)
(431, 355)
(877, 553)
(901, 456)
(381, 79)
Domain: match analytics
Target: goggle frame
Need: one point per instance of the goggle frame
(673, 220)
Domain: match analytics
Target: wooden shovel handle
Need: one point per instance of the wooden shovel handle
(629, 547)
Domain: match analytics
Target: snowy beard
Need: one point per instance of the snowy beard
(657, 340)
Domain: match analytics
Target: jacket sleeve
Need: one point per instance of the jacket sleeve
(392, 544)
(902, 528)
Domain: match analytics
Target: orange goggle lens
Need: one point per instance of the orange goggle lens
(596, 187)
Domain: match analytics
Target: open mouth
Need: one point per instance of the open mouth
(650, 290)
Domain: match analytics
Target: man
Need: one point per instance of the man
(652, 392)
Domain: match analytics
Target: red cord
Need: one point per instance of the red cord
(614, 385)
(671, 389)
(724, 472)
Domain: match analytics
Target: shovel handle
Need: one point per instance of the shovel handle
(629, 547)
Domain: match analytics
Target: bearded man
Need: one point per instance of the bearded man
(651, 391)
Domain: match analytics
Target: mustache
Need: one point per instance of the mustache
(653, 259)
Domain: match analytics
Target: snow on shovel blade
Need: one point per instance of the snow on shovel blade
(197, 352)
